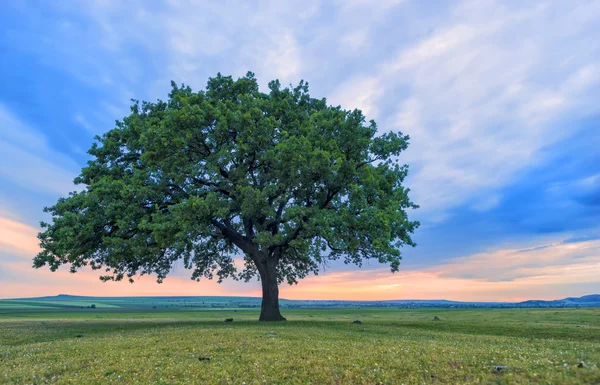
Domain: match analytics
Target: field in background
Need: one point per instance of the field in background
(146, 345)
(65, 302)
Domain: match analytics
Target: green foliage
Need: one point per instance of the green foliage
(279, 175)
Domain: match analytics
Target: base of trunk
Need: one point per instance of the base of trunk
(270, 314)
(272, 318)
(269, 308)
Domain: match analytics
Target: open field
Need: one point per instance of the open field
(164, 346)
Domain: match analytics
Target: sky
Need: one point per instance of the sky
(500, 99)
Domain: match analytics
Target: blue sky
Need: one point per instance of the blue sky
(500, 99)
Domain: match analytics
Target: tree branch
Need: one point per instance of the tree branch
(218, 188)
(179, 188)
(223, 173)
(368, 162)
(243, 243)
(300, 225)
(248, 228)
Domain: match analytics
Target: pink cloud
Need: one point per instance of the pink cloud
(41, 282)
(543, 272)
(18, 237)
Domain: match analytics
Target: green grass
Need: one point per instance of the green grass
(67, 301)
(163, 346)
(59, 304)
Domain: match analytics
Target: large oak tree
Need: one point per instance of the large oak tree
(286, 179)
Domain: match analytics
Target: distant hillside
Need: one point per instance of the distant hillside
(586, 300)
(216, 302)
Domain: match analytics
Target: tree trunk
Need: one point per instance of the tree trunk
(269, 310)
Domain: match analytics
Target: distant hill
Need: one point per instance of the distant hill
(217, 302)
(586, 300)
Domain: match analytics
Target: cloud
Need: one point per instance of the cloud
(443, 42)
(362, 93)
(538, 271)
(371, 6)
(19, 244)
(497, 105)
(279, 58)
(483, 94)
(486, 203)
(19, 280)
(18, 237)
(28, 161)
(543, 272)
(185, 39)
(508, 265)
(585, 191)
(355, 40)
(82, 121)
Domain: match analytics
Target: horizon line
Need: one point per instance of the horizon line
(284, 299)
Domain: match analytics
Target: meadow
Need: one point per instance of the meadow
(106, 345)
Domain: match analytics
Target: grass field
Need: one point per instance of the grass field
(163, 346)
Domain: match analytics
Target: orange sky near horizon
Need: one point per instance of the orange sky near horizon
(549, 272)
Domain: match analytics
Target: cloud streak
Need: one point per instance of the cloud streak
(542, 271)
(28, 161)
(505, 275)
(480, 101)
(18, 237)
(500, 100)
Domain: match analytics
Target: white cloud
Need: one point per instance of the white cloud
(186, 41)
(483, 94)
(28, 161)
(480, 85)
(282, 59)
(354, 40)
(441, 43)
(82, 121)
(373, 6)
(362, 93)
(585, 77)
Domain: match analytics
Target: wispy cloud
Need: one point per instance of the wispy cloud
(18, 238)
(185, 39)
(539, 271)
(28, 161)
(548, 283)
(547, 272)
(19, 280)
(482, 95)
(508, 265)
(497, 97)
(19, 244)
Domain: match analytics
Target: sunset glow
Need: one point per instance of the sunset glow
(542, 272)
(501, 109)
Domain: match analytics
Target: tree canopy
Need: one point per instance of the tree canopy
(287, 180)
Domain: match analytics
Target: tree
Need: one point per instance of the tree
(284, 178)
